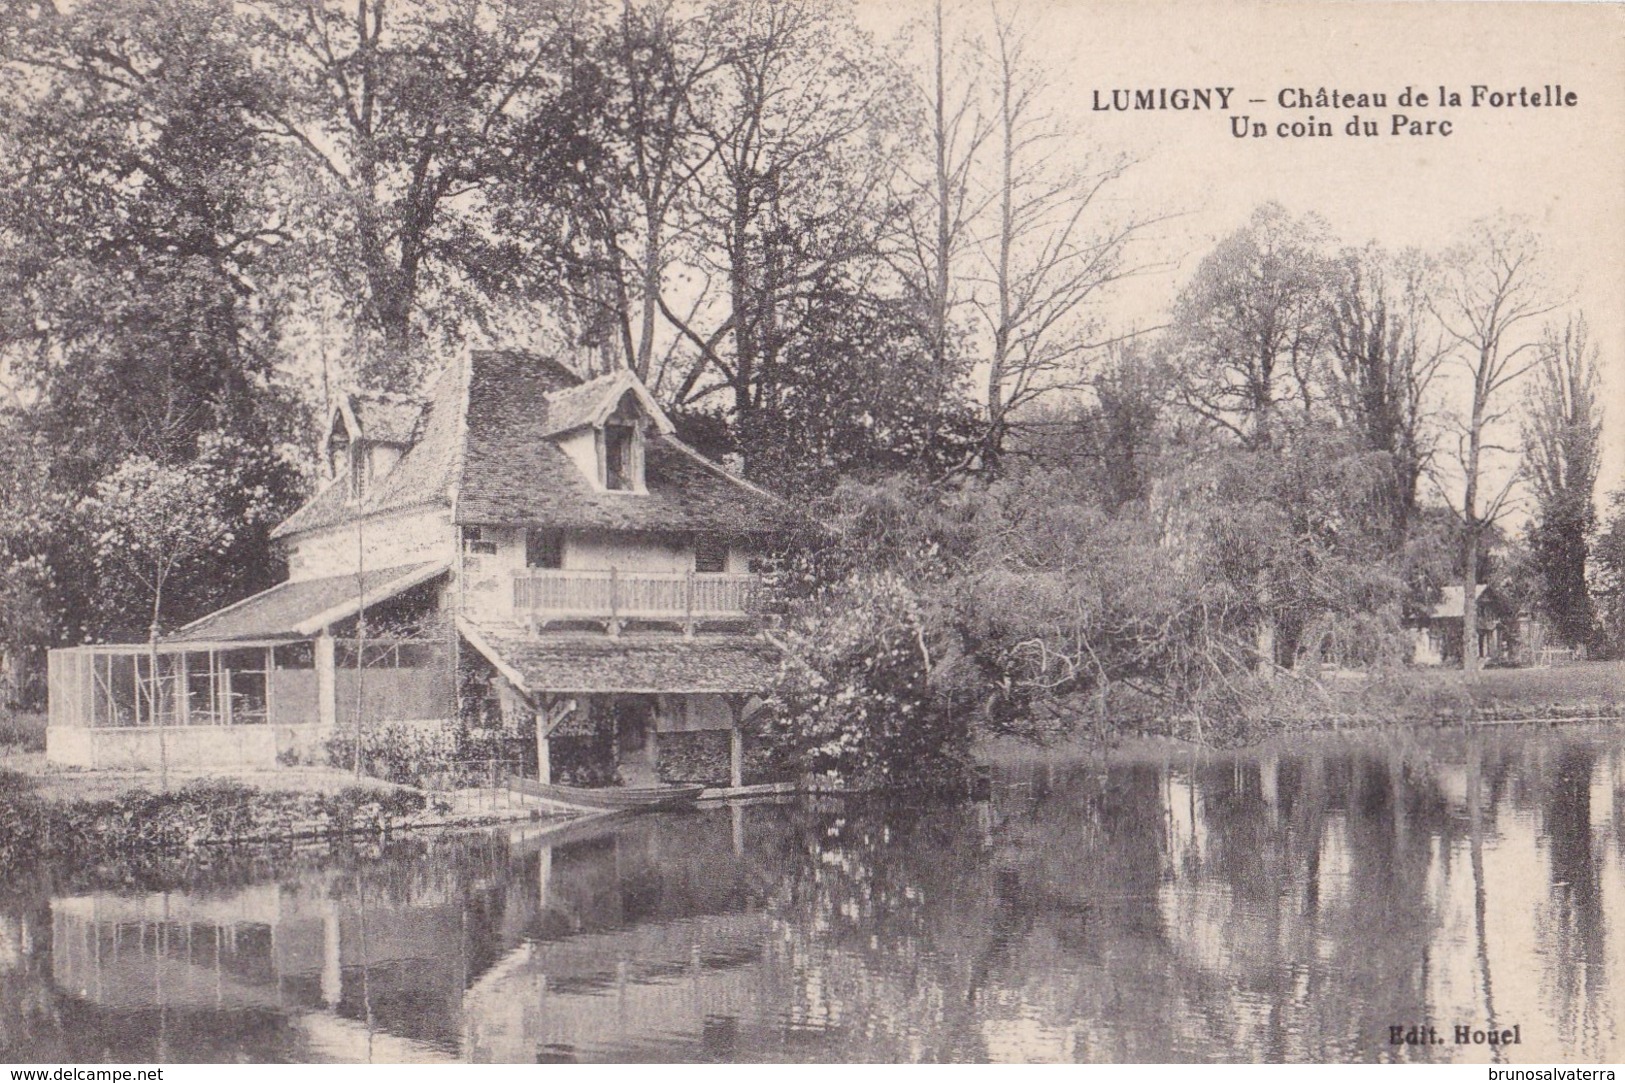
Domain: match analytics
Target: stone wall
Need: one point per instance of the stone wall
(695, 756)
(137, 748)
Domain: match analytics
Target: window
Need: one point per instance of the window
(338, 451)
(619, 475)
(544, 549)
(358, 470)
(710, 554)
(475, 541)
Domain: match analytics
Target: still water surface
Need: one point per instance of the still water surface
(1289, 905)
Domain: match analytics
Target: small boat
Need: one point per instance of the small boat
(622, 798)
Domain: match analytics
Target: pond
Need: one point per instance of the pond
(1278, 904)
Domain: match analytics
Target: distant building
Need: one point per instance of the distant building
(1505, 632)
(551, 530)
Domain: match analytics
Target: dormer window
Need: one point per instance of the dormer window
(338, 449)
(622, 444)
(604, 426)
(359, 471)
(618, 457)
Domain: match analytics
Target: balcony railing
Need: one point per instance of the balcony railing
(616, 597)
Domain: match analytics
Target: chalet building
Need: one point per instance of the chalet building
(1505, 633)
(548, 532)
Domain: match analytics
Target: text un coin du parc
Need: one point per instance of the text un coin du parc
(1411, 99)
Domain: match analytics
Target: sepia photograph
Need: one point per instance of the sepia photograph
(811, 531)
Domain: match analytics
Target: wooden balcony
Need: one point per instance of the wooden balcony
(616, 597)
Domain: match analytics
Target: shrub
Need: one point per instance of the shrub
(207, 812)
(854, 698)
(22, 731)
(435, 755)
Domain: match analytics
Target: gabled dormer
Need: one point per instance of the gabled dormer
(366, 437)
(604, 426)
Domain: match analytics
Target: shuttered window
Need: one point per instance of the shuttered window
(710, 554)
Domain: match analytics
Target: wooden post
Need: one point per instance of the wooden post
(688, 605)
(183, 693)
(736, 744)
(550, 714)
(327, 708)
(270, 667)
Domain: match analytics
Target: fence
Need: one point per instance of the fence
(475, 786)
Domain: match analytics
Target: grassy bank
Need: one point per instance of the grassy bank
(1588, 689)
(1256, 711)
(197, 814)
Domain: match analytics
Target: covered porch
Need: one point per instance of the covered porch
(651, 709)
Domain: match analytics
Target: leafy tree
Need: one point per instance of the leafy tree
(1608, 578)
(1302, 535)
(143, 240)
(1385, 357)
(399, 118)
(31, 534)
(797, 129)
(860, 397)
(1562, 431)
(627, 111)
(153, 521)
(1250, 326)
(854, 699)
(138, 223)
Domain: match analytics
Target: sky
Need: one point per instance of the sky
(1562, 167)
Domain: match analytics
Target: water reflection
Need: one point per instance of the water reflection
(1273, 905)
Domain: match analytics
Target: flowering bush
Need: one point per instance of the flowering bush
(856, 699)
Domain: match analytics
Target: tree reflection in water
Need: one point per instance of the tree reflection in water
(1279, 904)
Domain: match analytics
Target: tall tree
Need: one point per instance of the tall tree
(143, 236)
(1251, 325)
(1049, 253)
(1385, 356)
(799, 133)
(944, 199)
(1562, 433)
(1489, 297)
(139, 226)
(400, 115)
(1608, 563)
(150, 522)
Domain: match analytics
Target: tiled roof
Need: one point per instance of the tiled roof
(1451, 602)
(629, 663)
(572, 407)
(424, 474)
(509, 472)
(297, 610)
(513, 474)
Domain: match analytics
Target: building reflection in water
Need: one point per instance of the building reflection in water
(1270, 905)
